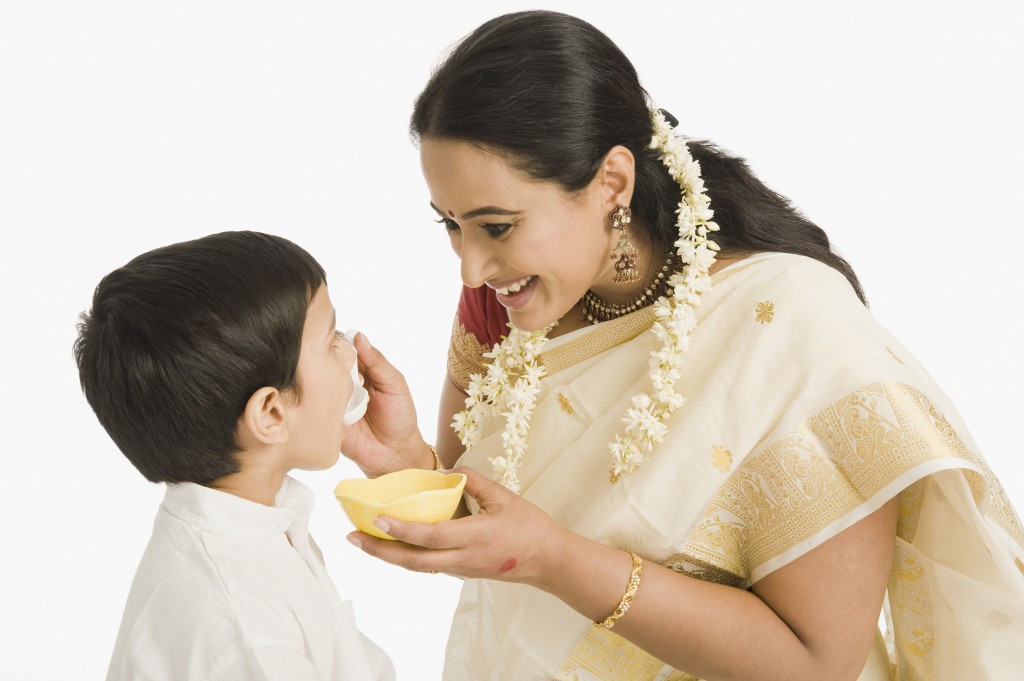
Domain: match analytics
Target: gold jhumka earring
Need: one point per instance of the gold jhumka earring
(625, 252)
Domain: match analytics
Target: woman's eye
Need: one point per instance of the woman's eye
(449, 225)
(497, 230)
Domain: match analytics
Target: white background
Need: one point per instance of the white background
(127, 126)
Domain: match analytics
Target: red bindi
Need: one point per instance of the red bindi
(507, 565)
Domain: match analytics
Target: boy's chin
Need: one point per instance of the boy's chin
(322, 463)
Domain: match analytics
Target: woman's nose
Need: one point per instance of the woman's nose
(477, 263)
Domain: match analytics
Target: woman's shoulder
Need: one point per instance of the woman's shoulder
(787, 268)
(788, 275)
(795, 291)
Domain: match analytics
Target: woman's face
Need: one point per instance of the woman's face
(537, 247)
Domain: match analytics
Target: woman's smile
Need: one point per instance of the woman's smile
(516, 293)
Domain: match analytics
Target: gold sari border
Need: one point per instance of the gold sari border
(831, 470)
(862, 511)
(604, 337)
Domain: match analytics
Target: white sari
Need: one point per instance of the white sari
(802, 417)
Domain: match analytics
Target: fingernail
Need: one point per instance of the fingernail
(354, 541)
(368, 345)
(381, 524)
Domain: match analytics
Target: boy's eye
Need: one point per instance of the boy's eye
(449, 225)
(339, 338)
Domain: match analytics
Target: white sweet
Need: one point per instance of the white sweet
(360, 399)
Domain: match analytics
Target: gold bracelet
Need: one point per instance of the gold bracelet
(437, 459)
(627, 598)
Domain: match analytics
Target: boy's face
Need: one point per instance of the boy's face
(316, 425)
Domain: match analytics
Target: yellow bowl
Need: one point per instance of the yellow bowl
(412, 494)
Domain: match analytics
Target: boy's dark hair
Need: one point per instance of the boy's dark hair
(178, 340)
(553, 94)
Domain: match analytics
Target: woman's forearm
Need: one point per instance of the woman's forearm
(706, 629)
(724, 633)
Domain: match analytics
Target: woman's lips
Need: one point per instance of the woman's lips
(510, 287)
(516, 293)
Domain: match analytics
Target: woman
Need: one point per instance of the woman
(695, 455)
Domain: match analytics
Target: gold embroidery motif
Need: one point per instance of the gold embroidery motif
(824, 469)
(465, 355)
(998, 620)
(909, 570)
(910, 501)
(910, 605)
(921, 642)
(605, 655)
(1020, 565)
(721, 458)
(765, 312)
(565, 403)
(605, 337)
(693, 567)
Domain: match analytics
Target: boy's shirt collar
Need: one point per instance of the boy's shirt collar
(226, 514)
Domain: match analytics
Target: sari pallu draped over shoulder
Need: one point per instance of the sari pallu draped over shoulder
(803, 416)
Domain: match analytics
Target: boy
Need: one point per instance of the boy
(215, 367)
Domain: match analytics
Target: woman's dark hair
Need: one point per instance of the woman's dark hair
(553, 95)
(178, 340)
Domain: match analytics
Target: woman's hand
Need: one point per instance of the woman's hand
(508, 539)
(388, 438)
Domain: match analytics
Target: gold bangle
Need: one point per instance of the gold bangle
(437, 459)
(627, 598)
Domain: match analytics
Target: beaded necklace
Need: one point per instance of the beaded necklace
(596, 310)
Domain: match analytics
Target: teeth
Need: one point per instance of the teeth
(515, 287)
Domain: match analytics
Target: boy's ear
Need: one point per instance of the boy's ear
(265, 416)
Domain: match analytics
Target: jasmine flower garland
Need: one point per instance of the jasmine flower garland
(675, 316)
(512, 380)
(510, 388)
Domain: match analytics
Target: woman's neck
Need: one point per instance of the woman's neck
(575, 319)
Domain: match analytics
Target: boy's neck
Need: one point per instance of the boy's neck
(253, 483)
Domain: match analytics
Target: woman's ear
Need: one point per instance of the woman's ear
(616, 177)
(265, 417)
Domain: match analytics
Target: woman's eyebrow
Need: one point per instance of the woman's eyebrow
(477, 212)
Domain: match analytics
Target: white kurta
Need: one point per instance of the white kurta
(230, 589)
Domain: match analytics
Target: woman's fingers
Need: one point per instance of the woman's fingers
(457, 547)
(420, 547)
(377, 369)
(443, 535)
(486, 492)
(400, 554)
(387, 438)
